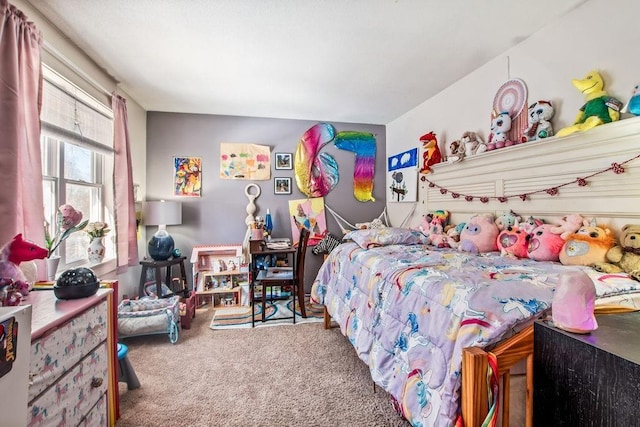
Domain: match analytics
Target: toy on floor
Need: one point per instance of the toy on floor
(625, 256)
(472, 144)
(573, 303)
(479, 235)
(500, 126)
(539, 117)
(589, 245)
(600, 108)
(545, 244)
(431, 152)
(633, 105)
(15, 252)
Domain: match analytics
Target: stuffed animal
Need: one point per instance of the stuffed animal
(589, 245)
(633, 105)
(539, 117)
(544, 244)
(513, 242)
(568, 225)
(424, 223)
(453, 231)
(506, 220)
(625, 256)
(573, 303)
(600, 108)
(472, 144)
(479, 235)
(456, 152)
(438, 237)
(529, 224)
(16, 251)
(500, 126)
(431, 152)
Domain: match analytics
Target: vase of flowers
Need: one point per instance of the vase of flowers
(96, 231)
(68, 221)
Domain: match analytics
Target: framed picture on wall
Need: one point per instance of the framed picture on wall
(284, 161)
(282, 185)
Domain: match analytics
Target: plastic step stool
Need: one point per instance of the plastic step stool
(126, 374)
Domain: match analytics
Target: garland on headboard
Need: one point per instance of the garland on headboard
(616, 168)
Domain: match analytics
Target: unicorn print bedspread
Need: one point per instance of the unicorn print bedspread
(409, 310)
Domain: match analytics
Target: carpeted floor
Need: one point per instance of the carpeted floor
(276, 313)
(276, 376)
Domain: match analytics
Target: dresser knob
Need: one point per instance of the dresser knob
(96, 382)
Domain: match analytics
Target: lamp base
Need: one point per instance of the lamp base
(160, 246)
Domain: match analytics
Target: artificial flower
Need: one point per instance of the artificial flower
(97, 229)
(68, 221)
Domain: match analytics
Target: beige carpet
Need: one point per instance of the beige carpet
(279, 376)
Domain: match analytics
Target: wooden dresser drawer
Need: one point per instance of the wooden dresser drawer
(74, 394)
(58, 351)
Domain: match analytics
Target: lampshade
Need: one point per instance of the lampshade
(162, 213)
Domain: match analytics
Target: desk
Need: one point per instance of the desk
(258, 248)
(158, 266)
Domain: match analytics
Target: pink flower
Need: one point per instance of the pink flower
(68, 217)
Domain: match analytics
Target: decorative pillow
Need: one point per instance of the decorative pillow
(373, 237)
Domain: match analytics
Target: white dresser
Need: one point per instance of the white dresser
(71, 361)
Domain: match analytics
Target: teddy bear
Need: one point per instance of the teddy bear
(568, 225)
(472, 144)
(456, 152)
(539, 117)
(500, 126)
(625, 256)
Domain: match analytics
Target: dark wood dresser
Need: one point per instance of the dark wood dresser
(588, 380)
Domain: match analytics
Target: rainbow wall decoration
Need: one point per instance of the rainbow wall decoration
(364, 146)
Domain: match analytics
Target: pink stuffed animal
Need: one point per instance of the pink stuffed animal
(500, 126)
(479, 235)
(544, 244)
(530, 224)
(568, 225)
(16, 251)
(438, 237)
(513, 242)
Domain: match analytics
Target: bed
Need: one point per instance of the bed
(431, 322)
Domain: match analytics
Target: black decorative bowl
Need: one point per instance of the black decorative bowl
(76, 283)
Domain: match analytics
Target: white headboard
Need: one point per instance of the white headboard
(534, 167)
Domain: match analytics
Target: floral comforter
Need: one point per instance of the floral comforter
(409, 310)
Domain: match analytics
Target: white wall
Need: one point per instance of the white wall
(600, 34)
(67, 59)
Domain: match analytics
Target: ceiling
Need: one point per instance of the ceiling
(355, 61)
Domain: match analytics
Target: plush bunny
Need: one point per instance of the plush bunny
(568, 225)
(500, 125)
(539, 117)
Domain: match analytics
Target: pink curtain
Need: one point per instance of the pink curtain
(125, 213)
(21, 202)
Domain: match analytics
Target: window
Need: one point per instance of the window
(77, 158)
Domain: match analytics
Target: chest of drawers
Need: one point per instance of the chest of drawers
(71, 363)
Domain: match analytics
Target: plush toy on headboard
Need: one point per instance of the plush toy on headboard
(500, 126)
(625, 256)
(472, 144)
(479, 235)
(633, 105)
(430, 152)
(15, 252)
(589, 245)
(600, 108)
(539, 117)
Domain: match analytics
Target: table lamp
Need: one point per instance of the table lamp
(162, 213)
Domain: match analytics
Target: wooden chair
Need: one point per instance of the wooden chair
(287, 276)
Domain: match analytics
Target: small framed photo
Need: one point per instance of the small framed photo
(284, 161)
(282, 185)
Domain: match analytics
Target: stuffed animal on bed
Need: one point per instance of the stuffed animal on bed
(568, 225)
(625, 256)
(479, 235)
(500, 126)
(545, 244)
(507, 219)
(529, 224)
(600, 108)
(539, 117)
(513, 242)
(589, 245)
(438, 237)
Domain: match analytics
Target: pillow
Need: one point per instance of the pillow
(374, 237)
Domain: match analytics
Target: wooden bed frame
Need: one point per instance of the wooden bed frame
(611, 198)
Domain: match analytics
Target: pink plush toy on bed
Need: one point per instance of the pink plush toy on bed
(438, 237)
(479, 235)
(545, 244)
(513, 242)
(568, 225)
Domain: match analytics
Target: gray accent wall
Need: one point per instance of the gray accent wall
(218, 217)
